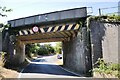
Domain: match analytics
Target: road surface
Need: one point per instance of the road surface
(45, 67)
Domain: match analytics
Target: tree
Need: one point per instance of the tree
(46, 49)
(49, 48)
(58, 47)
(42, 51)
(38, 49)
(31, 49)
(3, 11)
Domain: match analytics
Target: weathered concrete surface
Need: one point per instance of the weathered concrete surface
(1, 37)
(95, 37)
(5, 41)
(0, 41)
(15, 50)
(110, 43)
(19, 53)
(119, 44)
(76, 56)
(104, 41)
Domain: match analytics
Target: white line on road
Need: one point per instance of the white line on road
(69, 71)
(19, 76)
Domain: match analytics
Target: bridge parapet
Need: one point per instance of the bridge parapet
(56, 17)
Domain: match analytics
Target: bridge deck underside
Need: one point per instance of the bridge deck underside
(49, 37)
(49, 34)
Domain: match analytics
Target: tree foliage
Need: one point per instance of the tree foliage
(45, 49)
(3, 11)
(58, 47)
(42, 51)
(49, 48)
(30, 48)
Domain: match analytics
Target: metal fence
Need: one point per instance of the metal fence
(109, 11)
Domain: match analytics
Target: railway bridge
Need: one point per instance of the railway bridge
(67, 26)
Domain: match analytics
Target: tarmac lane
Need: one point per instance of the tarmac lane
(45, 68)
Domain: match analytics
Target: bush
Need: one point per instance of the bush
(114, 17)
(58, 48)
(107, 68)
(2, 59)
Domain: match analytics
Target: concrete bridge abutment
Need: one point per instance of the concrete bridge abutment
(15, 51)
(76, 55)
(19, 53)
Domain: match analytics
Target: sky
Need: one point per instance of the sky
(24, 8)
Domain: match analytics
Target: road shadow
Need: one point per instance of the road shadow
(46, 69)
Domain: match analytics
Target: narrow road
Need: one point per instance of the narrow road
(45, 68)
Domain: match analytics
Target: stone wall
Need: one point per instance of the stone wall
(104, 40)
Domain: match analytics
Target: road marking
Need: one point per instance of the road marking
(53, 64)
(19, 76)
(69, 71)
(66, 69)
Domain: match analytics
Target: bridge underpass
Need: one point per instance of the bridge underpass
(49, 34)
(52, 27)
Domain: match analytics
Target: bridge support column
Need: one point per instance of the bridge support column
(76, 54)
(19, 53)
(16, 53)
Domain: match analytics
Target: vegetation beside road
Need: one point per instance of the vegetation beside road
(4, 72)
(106, 69)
